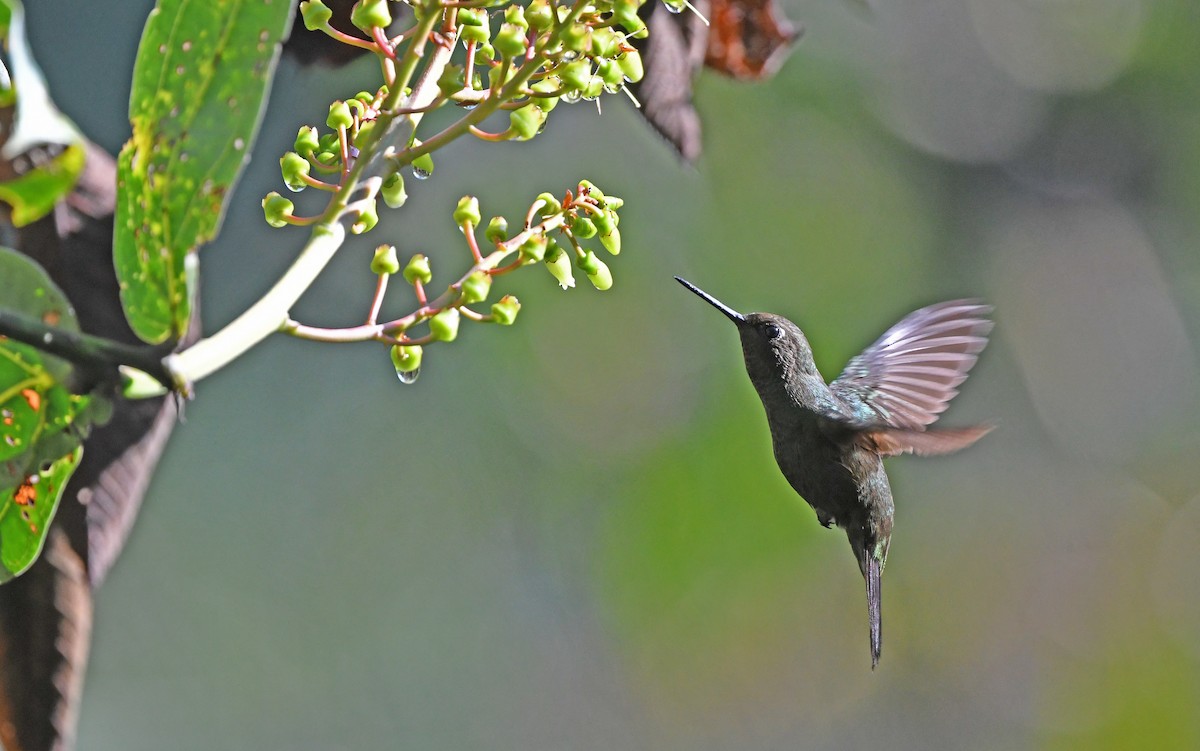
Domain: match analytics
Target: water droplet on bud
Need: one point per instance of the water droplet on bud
(408, 376)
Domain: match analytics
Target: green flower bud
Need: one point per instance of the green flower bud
(545, 86)
(393, 191)
(406, 358)
(587, 187)
(307, 140)
(604, 42)
(611, 241)
(444, 325)
(559, 265)
(497, 230)
(315, 13)
(417, 270)
(538, 14)
(515, 14)
(575, 74)
(600, 278)
(467, 211)
(574, 37)
(471, 17)
(583, 228)
(534, 248)
(479, 32)
(364, 134)
(371, 13)
(452, 80)
(294, 168)
(631, 66)
(276, 209)
(504, 311)
(475, 287)
(510, 41)
(367, 219)
(385, 261)
(627, 17)
(526, 121)
(603, 221)
(423, 166)
(329, 143)
(485, 51)
(610, 73)
(593, 89)
(550, 204)
(366, 97)
(339, 115)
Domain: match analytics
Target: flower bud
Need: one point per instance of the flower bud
(276, 208)
(315, 13)
(610, 73)
(406, 358)
(418, 270)
(575, 74)
(475, 287)
(307, 140)
(526, 121)
(467, 211)
(339, 115)
(559, 265)
(385, 261)
(611, 241)
(545, 86)
(371, 13)
(504, 311)
(596, 270)
(604, 42)
(452, 80)
(538, 15)
(478, 29)
(393, 191)
(574, 37)
(294, 168)
(444, 325)
(631, 66)
(510, 40)
(423, 166)
(367, 219)
(534, 248)
(497, 230)
(363, 134)
(515, 14)
(583, 228)
(550, 204)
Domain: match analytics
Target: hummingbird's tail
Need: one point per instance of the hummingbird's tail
(873, 571)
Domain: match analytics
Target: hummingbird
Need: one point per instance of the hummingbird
(830, 439)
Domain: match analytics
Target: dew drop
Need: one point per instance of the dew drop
(186, 46)
(408, 376)
(239, 144)
(676, 9)
(421, 174)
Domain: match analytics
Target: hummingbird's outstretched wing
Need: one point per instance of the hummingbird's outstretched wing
(908, 377)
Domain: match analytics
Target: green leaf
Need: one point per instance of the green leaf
(200, 82)
(26, 512)
(42, 423)
(43, 155)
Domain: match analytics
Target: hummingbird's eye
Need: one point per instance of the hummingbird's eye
(772, 331)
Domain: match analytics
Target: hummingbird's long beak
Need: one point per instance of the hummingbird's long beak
(734, 316)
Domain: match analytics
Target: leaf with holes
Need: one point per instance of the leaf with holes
(201, 79)
(26, 512)
(42, 424)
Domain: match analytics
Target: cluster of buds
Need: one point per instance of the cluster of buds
(521, 60)
(581, 215)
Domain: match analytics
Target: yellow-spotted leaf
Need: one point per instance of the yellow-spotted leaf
(200, 82)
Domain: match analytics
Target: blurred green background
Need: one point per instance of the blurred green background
(571, 534)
